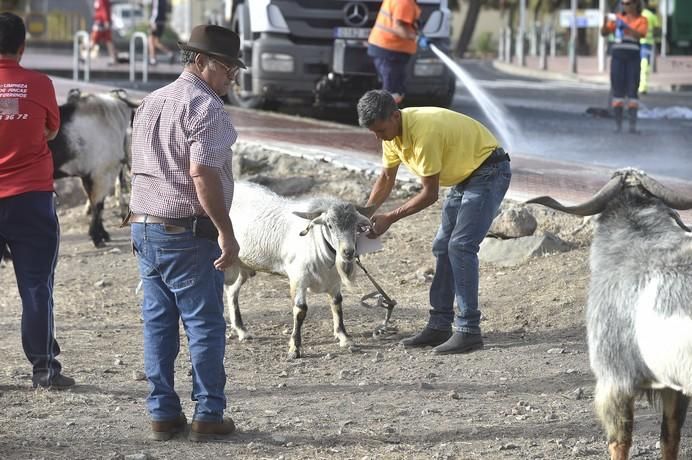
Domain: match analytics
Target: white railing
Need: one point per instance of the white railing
(145, 56)
(84, 35)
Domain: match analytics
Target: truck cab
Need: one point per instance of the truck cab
(315, 52)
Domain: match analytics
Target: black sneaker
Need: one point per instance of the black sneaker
(59, 382)
(460, 342)
(427, 337)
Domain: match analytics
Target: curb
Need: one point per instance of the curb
(603, 79)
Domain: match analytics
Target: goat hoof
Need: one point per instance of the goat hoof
(100, 244)
(243, 336)
(353, 348)
(293, 355)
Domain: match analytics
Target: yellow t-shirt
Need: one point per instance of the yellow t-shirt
(435, 140)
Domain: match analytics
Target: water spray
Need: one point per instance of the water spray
(504, 126)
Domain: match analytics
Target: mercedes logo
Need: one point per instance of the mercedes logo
(355, 14)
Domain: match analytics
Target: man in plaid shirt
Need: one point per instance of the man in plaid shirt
(182, 188)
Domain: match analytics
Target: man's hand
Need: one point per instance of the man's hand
(229, 251)
(379, 223)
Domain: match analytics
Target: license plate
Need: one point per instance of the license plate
(352, 32)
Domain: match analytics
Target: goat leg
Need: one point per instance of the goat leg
(300, 310)
(338, 320)
(674, 412)
(616, 411)
(232, 298)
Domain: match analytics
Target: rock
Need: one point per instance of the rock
(509, 446)
(556, 351)
(513, 222)
(426, 386)
(577, 394)
(139, 456)
(278, 438)
(518, 250)
(285, 186)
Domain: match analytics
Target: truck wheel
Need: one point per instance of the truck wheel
(241, 93)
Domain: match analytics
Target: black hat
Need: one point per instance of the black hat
(216, 41)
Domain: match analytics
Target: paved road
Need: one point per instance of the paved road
(553, 124)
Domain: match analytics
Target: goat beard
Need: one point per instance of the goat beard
(346, 271)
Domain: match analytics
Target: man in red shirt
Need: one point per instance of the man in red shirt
(29, 117)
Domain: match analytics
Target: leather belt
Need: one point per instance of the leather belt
(148, 219)
(497, 156)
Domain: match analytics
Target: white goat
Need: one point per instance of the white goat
(639, 312)
(312, 242)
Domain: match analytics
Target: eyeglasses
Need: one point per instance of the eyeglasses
(231, 72)
(626, 3)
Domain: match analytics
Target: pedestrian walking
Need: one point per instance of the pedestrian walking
(392, 42)
(182, 189)
(29, 118)
(628, 27)
(442, 148)
(157, 25)
(101, 29)
(648, 44)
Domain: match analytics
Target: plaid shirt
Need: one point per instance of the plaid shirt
(182, 122)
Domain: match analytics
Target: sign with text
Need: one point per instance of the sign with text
(585, 18)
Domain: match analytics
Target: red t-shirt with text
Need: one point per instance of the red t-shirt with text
(27, 108)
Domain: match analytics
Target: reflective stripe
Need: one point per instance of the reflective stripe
(626, 45)
(618, 102)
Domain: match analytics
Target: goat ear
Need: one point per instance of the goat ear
(308, 215)
(316, 221)
(367, 211)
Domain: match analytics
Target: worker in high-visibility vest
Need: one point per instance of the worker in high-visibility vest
(647, 45)
(628, 26)
(392, 42)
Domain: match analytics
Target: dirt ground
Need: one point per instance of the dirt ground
(527, 395)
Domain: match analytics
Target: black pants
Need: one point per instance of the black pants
(29, 227)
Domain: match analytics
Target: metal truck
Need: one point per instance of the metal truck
(315, 51)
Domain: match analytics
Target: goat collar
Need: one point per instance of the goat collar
(327, 243)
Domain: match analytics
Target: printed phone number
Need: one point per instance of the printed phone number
(14, 116)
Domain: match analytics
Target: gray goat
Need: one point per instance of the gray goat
(639, 312)
(312, 242)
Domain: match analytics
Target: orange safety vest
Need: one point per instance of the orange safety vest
(382, 33)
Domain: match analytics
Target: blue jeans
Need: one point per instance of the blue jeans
(467, 213)
(29, 227)
(179, 281)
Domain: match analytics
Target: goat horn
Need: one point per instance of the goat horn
(594, 206)
(668, 196)
(122, 95)
(308, 215)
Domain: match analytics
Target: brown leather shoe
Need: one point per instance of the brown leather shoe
(201, 431)
(165, 430)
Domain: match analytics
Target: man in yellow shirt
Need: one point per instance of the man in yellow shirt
(443, 148)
